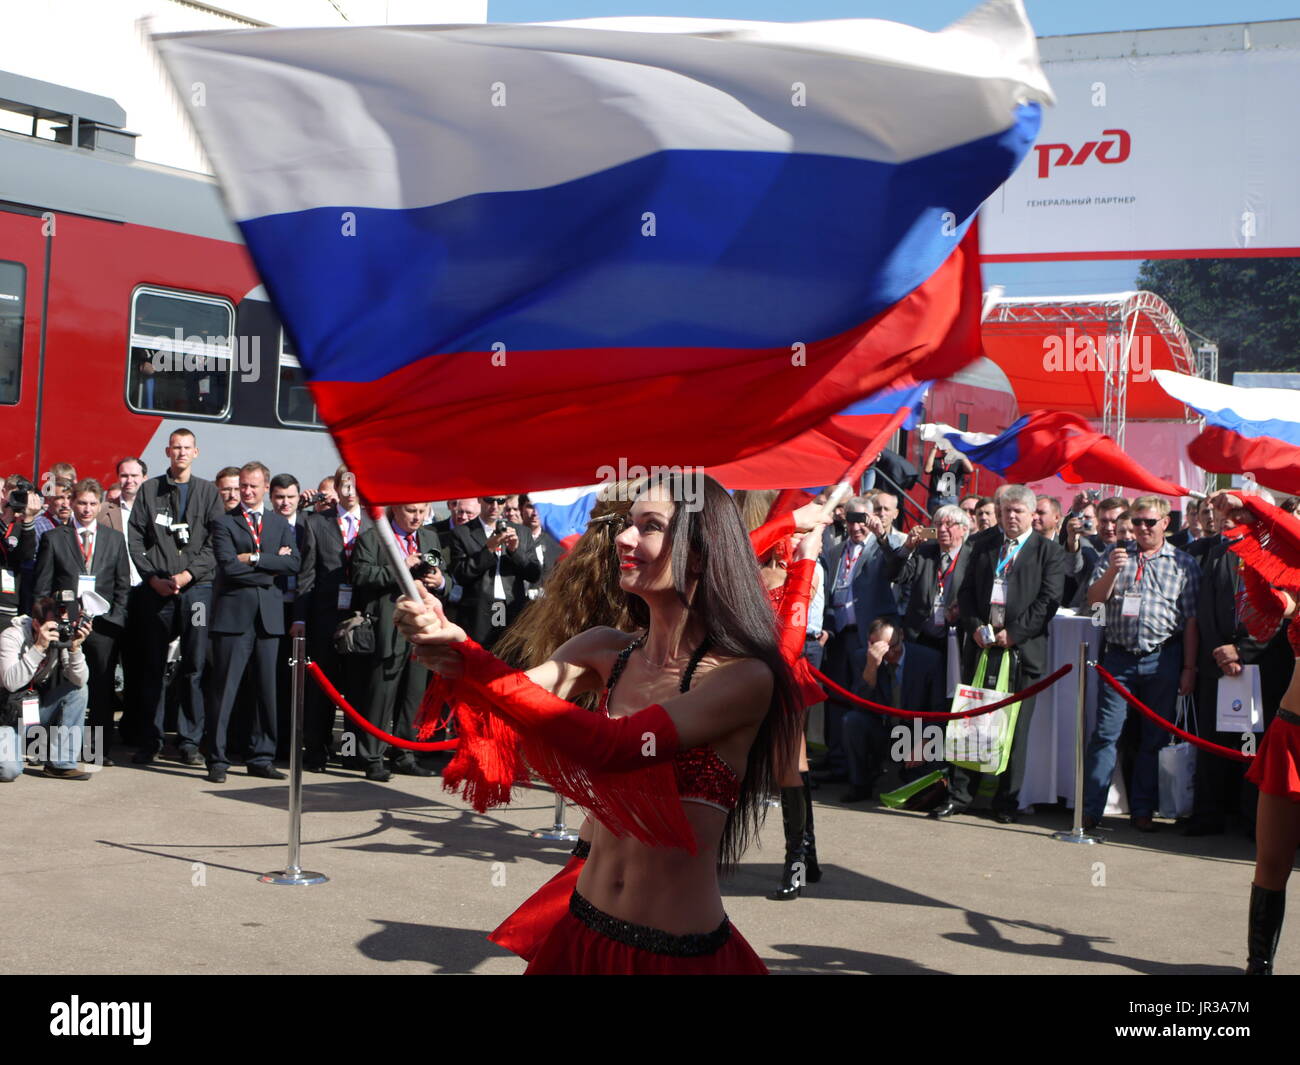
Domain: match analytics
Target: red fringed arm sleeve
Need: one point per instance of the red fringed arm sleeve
(792, 616)
(1270, 549)
(619, 769)
(767, 536)
(1270, 545)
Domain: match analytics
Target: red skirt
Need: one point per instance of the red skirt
(527, 928)
(588, 942)
(1276, 768)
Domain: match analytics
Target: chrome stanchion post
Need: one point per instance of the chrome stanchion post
(293, 873)
(558, 831)
(1077, 834)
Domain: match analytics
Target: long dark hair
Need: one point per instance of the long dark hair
(710, 543)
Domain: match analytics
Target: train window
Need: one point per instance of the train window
(13, 283)
(183, 352)
(294, 404)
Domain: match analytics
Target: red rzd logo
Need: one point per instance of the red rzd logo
(1105, 151)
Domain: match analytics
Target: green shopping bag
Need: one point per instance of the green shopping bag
(924, 793)
(982, 743)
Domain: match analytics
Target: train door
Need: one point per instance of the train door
(24, 262)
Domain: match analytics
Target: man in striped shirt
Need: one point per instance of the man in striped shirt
(1151, 643)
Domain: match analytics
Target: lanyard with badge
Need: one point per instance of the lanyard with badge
(1132, 603)
(255, 530)
(840, 594)
(1001, 574)
(344, 601)
(8, 583)
(86, 581)
(938, 617)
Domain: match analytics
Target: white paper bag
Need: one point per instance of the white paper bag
(1240, 708)
(1177, 768)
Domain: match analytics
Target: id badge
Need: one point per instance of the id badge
(938, 616)
(85, 583)
(345, 597)
(31, 711)
(8, 585)
(1132, 605)
(999, 596)
(164, 519)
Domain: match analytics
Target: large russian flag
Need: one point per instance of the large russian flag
(509, 254)
(1047, 442)
(1248, 430)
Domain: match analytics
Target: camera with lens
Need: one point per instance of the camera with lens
(429, 561)
(69, 618)
(501, 526)
(20, 495)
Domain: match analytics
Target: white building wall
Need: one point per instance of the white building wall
(101, 46)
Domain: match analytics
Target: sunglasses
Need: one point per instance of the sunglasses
(495, 499)
(1147, 523)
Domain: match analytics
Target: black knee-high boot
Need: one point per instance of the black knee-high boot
(809, 836)
(794, 873)
(1266, 910)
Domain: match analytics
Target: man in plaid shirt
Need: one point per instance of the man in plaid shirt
(1151, 638)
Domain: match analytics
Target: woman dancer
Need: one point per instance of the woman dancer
(1267, 540)
(700, 703)
(582, 593)
(801, 864)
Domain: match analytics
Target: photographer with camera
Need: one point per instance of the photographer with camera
(397, 681)
(41, 662)
(493, 559)
(21, 504)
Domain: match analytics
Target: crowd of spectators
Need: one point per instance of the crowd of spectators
(157, 613)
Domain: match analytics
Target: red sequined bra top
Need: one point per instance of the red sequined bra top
(702, 776)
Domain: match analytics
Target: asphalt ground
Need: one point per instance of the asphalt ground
(151, 870)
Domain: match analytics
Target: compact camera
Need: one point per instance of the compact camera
(501, 526)
(429, 561)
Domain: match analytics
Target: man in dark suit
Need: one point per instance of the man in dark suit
(397, 682)
(131, 472)
(492, 560)
(858, 591)
(545, 546)
(1225, 647)
(1012, 589)
(928, 574)
(286, 497)
(908, 676)
(252, 545)
(87, 556)
(167, 536)
(329, 601)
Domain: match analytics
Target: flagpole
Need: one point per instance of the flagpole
(396, 554)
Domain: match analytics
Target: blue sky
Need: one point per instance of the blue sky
(1050, 17)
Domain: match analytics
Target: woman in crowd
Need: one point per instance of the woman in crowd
(701, 706)
(1267, 540)
(801, 865)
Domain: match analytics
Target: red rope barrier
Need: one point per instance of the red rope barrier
(932, 715)
(335, 696)
(1137, 704)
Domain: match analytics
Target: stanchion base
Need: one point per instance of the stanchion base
(296, 877)
(1076, 836)
(559, 833)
